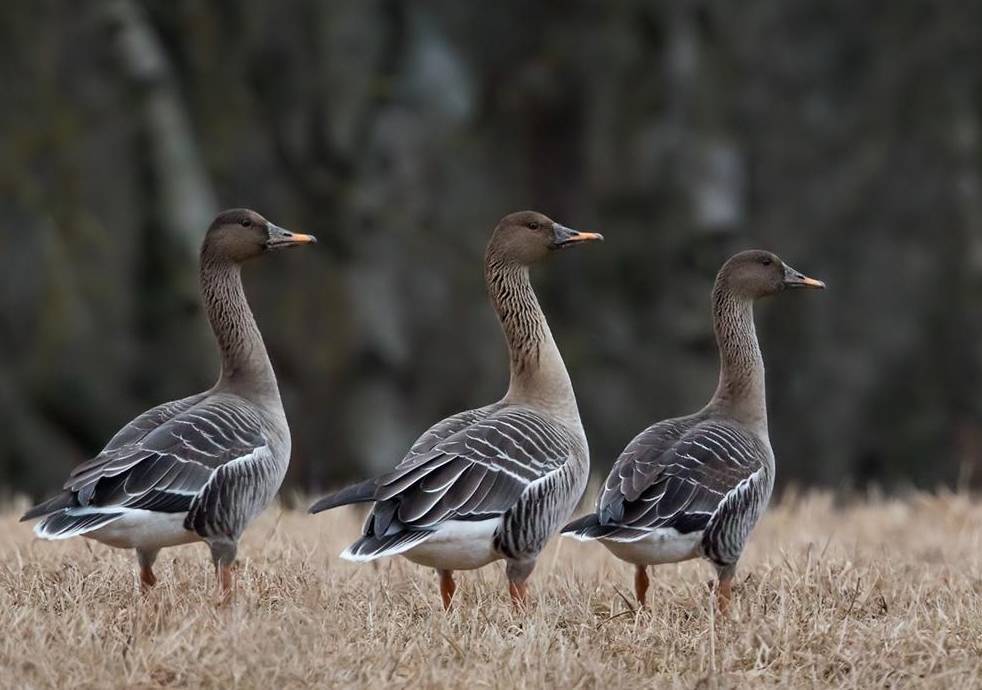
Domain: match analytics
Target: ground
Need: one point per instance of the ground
(878, 593)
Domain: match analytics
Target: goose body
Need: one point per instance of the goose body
(203, 467)
(695, 486)
(495, 482)
(464, 497)
(155, 479)
(683, 488)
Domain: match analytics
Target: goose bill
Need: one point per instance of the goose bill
(280, 238)
(565, 237)
(795, 279)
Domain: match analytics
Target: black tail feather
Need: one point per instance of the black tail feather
(370, 548)
(581, 523)
(588, 527)
(66, 499)
(67, 523)
(363, 492)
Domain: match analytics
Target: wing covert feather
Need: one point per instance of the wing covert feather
(471, 466)
(677, 472)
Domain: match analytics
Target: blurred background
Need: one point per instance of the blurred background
(845, 136)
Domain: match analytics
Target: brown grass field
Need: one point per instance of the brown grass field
(884, 593)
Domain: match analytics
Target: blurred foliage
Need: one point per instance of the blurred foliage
(845, 136)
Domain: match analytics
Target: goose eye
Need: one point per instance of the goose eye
(245, 222)
(533, 225)
(766, 262)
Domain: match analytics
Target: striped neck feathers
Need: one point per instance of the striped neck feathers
(246, 368)
(538, 374)
(741, 390)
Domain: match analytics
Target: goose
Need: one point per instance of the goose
(200, 468)
(695, 486)
(498, 481)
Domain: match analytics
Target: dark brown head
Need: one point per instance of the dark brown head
(756, 273)
(240, 234)
(526, 237)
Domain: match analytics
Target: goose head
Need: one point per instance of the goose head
(756, 273)
(527, 237)
(241, 234)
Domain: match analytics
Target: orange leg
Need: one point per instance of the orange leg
(146, 560)
(519, 593)
(447, 588)
(641, 584)
(518, 573)
(226, 582)
(147, 579)
(223, 556)
(724, 593)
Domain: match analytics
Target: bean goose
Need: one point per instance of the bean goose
(496, 482)
(695, 486)
(203, 467)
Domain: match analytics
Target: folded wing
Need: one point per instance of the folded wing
(161, 460)
(477, 471)
(677, 473)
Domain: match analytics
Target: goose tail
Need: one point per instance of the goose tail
(370, 548)
(73, 522)
(588, 528)
(65, 499)
(363, 492)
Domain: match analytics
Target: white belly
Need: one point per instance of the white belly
(458, 545)
(145, 529)
(664, 545)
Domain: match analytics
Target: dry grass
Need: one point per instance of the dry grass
(886, 593)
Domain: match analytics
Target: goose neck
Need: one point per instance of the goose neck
(246, 368)
(741, 390)
(538, 375)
